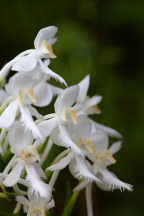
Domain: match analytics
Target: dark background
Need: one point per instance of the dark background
(103, 38)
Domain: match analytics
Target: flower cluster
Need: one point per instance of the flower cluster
(24, 131)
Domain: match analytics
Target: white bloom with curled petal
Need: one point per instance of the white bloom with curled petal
(26, 157)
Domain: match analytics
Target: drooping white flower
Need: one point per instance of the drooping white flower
(26, 156)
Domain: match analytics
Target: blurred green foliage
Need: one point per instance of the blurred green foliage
(103, 38)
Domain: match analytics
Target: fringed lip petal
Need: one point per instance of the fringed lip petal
(52, 74)
(37, 186)
(29, 123)
(81, 169)
(109, 181)
(67, 140)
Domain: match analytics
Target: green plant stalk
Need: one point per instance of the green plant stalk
(70, 205)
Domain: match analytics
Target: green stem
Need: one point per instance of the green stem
(46, 151)
(3, 195)
(69, 207)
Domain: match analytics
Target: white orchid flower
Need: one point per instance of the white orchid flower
(25, 92)
(65, 112)
(101, 157)
(78, 165)
(26, 156)
(35, 206)
(31, 60)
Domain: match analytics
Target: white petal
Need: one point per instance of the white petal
(39, 170)
(67, 140)
(52, 74)
(62, 163)
(43, 94)
(108, 130)
(8, 116)
(6, 69)
(81, 169)
(29, 123)
(34, 112)
(45, 34)
(110, 182)
(37, 186)
(115, 147)
(14, 175)
(100, 140)
(50, 205)
(3, 96)
(67, 98)
(83, 89)
(20, 81)
(46, 127)
(81, 185)
(93, 100)
(56, 90)
(19, 137)
(82, 129)
(23, 200)
(26, 63)
(88, 106)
